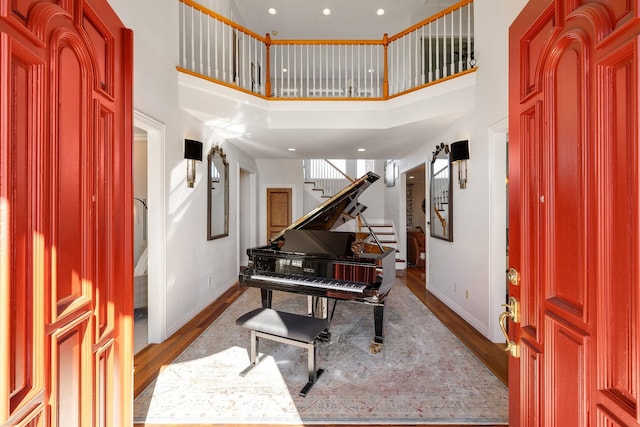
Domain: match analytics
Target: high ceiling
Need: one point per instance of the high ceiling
(349, 20)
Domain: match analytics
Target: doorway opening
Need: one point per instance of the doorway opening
(247, 213)
(498, 156)
(140, 242)
(155, 216)
(416, 218)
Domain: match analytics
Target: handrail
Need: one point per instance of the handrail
(221, 18)
(433, 50)
(430, 19)
(327, 42)
(443, 221)
(339, 171)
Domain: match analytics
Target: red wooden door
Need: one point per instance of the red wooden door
(573, 216)
(65, 214)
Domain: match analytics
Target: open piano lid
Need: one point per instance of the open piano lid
(335, 211)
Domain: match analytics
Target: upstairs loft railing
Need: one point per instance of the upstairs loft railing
(217, 49)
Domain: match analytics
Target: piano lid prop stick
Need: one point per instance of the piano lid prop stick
(372, 233)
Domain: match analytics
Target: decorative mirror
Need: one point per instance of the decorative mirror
(441, 200)
(218, 194)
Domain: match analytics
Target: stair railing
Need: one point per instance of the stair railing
(217, 49)
(325, 175)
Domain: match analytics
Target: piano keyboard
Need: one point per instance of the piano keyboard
(315, 282)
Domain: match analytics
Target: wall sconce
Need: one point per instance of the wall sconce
(391, 173)
(460, 154)
(192, 152)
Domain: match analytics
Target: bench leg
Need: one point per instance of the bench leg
(311, 355)
(255, 355)
(313, 373)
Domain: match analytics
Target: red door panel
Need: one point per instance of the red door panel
(574, 213)
(618, 370)
(72, 250)
(20, 276)
(65, 202)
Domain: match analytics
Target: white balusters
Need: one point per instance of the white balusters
(437, 47)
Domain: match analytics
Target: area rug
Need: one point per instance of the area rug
(423, 375)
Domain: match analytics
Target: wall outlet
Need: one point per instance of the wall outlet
(210, 281)
(455, 287)
(466, 294)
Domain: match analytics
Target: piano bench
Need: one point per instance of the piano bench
(294, 329)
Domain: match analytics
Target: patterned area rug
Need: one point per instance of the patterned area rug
(423, 375)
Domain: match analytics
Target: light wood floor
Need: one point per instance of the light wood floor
(150, 361)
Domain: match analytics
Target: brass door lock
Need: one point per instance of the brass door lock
(513, 313)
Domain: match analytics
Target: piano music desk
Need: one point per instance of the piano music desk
(294, 329)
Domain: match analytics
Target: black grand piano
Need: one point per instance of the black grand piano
(310, 258)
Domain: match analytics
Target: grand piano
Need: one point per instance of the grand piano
(310, 257)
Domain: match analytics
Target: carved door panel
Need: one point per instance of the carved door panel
(65, 214)
(574, 214)
(278, 210)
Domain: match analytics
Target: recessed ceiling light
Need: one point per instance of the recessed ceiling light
(284, 70)
(411, 177)
(380, 12)
(326, 11)
(272, 11)
(362, 149)
(371, 70)
(291, 149)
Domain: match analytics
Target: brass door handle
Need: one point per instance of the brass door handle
(513, 313)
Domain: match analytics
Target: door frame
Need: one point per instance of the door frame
(156, 225)
(498, 134)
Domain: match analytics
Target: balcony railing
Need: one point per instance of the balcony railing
(218, 49)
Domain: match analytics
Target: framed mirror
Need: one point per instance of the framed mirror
(440, 195)
(217, 194)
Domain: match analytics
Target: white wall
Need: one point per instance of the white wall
(196, 271)
(462, 273)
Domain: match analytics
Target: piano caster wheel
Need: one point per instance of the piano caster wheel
(375, 347)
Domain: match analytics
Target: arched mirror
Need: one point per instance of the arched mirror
(441, 206)
(217, 195)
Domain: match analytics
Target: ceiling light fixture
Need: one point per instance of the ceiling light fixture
(380, 12)
(362, 149)
(326, 11)
(272, 11)
(291, 149)
(284, 70)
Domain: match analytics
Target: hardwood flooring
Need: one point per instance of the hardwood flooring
(150, 361)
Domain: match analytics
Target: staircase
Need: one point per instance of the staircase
(386, 234)
(323, 180)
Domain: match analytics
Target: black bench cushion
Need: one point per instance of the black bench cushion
(294, 326)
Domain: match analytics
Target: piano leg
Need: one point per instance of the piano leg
(267, 297)
(378, 315)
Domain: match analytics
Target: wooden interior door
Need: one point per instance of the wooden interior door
(574, 214)
(65, 214)
(278, 210)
